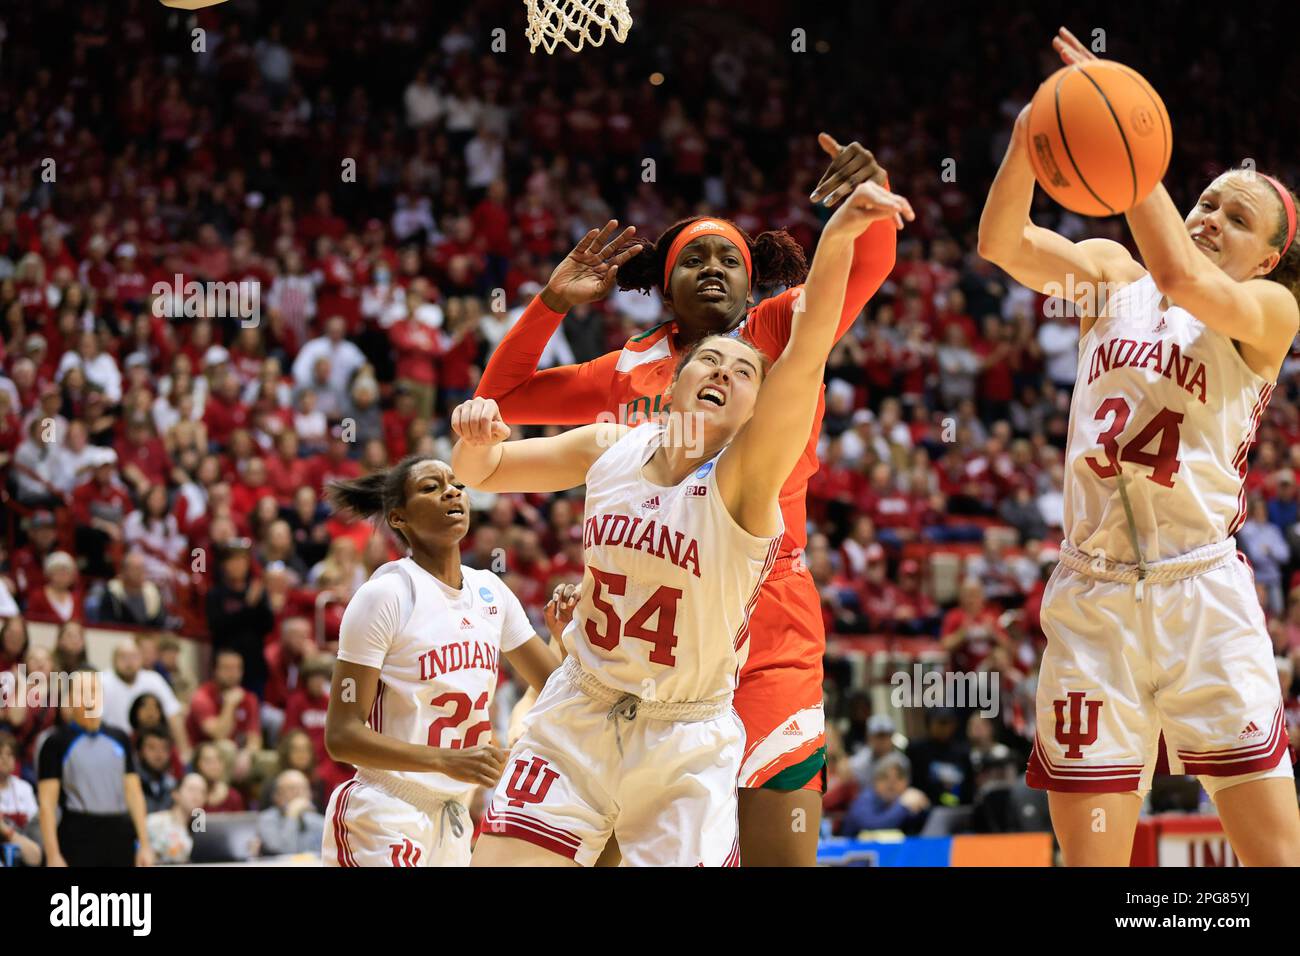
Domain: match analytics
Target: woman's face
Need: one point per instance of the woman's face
(72, 641)
(1233, 224)
(718, 388)
(301, 754)
(209, 764)
(149, 714)
(708, 286)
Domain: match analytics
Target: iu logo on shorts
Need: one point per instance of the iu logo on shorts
(537, 778)
(405, 853)
(1076, 737)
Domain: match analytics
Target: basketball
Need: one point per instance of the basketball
(1099, 138)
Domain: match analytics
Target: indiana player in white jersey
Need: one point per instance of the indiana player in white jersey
(1152, 619)
(635, 735)
(419, 650)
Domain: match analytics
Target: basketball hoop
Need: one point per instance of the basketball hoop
(552, 22)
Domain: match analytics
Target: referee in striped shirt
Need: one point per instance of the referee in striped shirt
(87, 771)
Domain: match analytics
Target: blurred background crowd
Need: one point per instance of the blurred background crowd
(396, 191)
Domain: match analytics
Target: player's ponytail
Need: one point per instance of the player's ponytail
(777, 257)
(375, 494)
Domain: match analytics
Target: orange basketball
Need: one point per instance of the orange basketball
(1099, 137)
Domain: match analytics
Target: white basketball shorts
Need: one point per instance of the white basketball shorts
(1191, 659)
(668, 792)
(366, 824)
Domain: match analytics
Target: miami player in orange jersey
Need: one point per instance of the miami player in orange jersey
(706, 269)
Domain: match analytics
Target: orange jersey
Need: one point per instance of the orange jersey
(629, 384)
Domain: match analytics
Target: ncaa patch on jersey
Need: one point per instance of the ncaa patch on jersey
(704, 469)
(486, 595)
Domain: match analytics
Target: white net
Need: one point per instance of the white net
(574, 22)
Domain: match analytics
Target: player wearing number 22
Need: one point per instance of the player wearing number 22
(1152, 620)
(635, 736)
(419, 649)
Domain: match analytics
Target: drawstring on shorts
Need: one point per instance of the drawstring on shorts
(622, 709)
(451, 810)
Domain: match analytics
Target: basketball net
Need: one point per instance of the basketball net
(552, 22)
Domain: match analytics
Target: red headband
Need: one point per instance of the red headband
(1289, 205)
(707, 227)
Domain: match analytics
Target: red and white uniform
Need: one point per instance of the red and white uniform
(437, 651)
(635, 734)
(1168, 404)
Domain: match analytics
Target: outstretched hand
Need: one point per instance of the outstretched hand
(588, 272)
(869, 203)
(850, 166)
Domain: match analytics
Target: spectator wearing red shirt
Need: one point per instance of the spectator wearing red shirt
(142, 457)
(27, 564)
(224, 412)
(99, 507)
(221, 709)
(212, 767)
(971, 630)
(491, 219)
(397, 422)
(58, 598)
(417, 345)
(335, 464)
(284, 660)
(916, 612)
(893, 511)
(251, 487)
(285, 471)
(306, 711)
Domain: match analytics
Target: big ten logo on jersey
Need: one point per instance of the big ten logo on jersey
(489, 599)
(696, 491)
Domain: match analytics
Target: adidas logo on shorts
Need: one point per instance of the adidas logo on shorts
(1251, 731)
(793, 730)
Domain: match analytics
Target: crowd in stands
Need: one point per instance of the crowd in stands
(394, 195)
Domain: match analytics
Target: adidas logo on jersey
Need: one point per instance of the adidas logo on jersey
(1161, 325)
(1250, 732)
(650, 504)
(793, 730)
(466, 624)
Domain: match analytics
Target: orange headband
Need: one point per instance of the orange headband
(707, 227)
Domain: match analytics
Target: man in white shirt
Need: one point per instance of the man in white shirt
(345, 358)
(98, 367)
(127, 681)
(1058, 337)
(73, 461)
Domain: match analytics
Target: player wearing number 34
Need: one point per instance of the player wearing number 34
(635, 735)
(1153, 625)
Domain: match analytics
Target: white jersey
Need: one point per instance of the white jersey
(670, 579)
(1172, 403)
(437, 651)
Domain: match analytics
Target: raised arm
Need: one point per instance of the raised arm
(757, 462)
(483, 458)
(570, 394)
(1258, 313)
(1036, 257)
